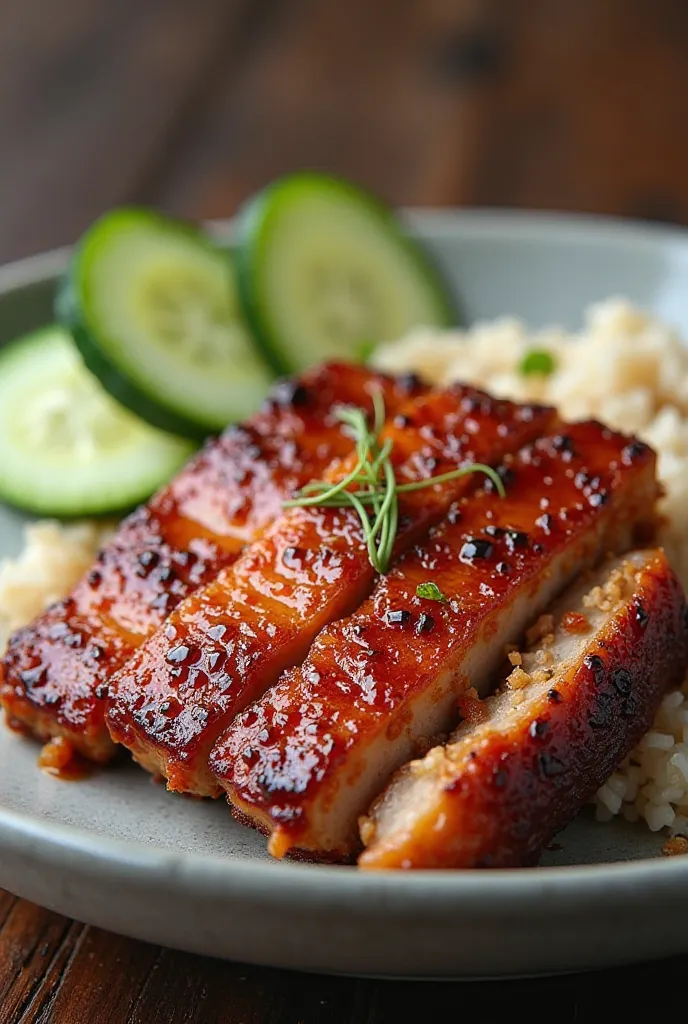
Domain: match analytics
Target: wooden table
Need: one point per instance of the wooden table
(191, 105)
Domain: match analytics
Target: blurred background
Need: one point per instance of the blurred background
(193, 104)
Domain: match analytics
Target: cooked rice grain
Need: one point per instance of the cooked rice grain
(52, 560)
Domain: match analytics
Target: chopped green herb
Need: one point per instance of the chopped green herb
(431, 592)
(365, 351)
(539, 362)
(375, 485)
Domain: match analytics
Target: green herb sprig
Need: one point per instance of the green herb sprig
(431, 592)
(537, 363)
(371, 487)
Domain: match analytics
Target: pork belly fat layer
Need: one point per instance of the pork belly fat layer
(56, 671)
(308, 758)
(498, 792)
(231, 640)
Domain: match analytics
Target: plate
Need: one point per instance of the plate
(117, 851)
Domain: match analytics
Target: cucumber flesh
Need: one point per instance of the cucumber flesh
(152, 306)
(325, 271)
(68, 449)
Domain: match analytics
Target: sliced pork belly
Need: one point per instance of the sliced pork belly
(56, 671)
(231, 640)
(527, 759)
(305, 761)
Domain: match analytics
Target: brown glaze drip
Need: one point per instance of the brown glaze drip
(59, 759)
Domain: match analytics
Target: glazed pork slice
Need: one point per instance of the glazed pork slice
(527, 759)
(56, 671)
(305, 761)
(231, 640)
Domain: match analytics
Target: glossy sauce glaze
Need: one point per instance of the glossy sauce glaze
(56, 671)
(307, 759)
(231, 640)
(496, 795)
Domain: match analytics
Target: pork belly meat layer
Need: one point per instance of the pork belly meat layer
(56, 671)
(231, 640)
(305, 761)
(497, 793)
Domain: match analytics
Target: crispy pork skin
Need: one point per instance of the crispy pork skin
(306, 760)
(527, 759)
(55, 673)
(231, 640)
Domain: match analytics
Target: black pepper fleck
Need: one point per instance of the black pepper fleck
(622, 681)
(289, 392)
(603, 713)
(630, 707)
(503, 568)
(641, 616)
(476, 548)
(634, 450)
(550, 765)
(595, 664)
(516, 539)
(408, 383)
(494, 531)
(539, 727)
(563, 443)
(398, 617)
(425, 624)
(554, 696)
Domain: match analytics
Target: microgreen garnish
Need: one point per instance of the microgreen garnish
(372, 485)
(365, 350)
(537, 362)
(431, 592)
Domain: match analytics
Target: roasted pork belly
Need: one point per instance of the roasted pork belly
(231, 640)
(56, 672)
(307, 759)
(526, 760)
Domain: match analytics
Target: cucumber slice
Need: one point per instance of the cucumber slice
(325, 271)
(66, 448)
(152, 306)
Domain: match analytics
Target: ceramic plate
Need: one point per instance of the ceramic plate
(117, 851)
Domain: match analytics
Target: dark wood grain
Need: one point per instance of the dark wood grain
(90, 100)
(192, 105)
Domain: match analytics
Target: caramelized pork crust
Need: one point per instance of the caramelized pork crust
(306, 760)
(231, 640)
(497, 793)
(55, 674)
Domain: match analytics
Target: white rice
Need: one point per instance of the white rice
(625, 369)
(52, 560)
(631, 372)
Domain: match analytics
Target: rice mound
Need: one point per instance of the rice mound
(623, 368)
(53, 559)
(631, 372)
